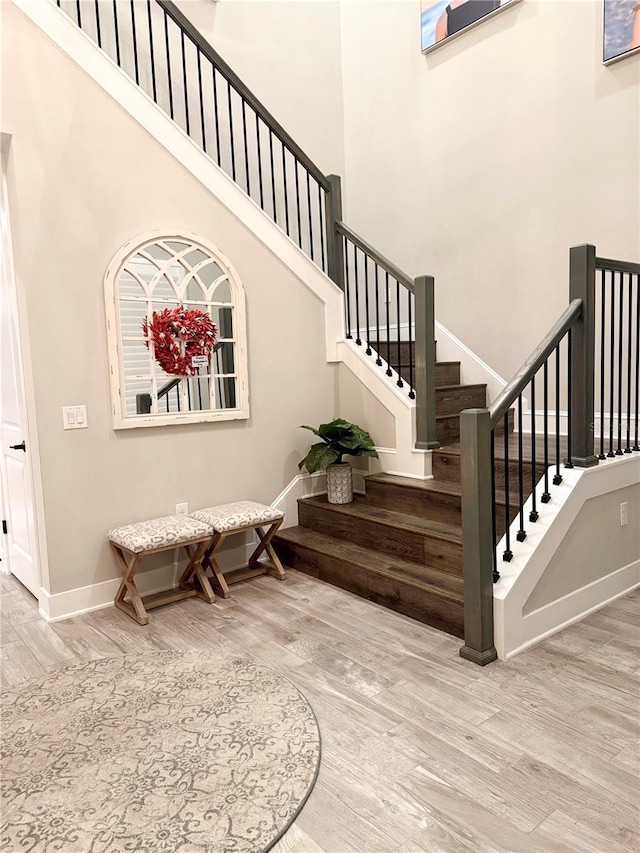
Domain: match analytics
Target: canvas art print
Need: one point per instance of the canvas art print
(621, 28)
(442, 19)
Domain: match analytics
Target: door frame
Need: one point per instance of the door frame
(18, 307)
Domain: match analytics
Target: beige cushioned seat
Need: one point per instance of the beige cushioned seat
(235, 515)
(159, 533)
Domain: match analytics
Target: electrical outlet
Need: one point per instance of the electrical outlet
(182, 509)
(624, 513)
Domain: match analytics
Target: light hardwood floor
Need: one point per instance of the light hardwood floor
(422, 751)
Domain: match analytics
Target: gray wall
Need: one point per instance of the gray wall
(356, 403)
(289, 54)
(84, 179)
(594, 546)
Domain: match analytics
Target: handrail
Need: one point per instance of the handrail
(143, 401)
(203, 45)
(616, 266)
(171, 384)
(376, 256)
(524, 375)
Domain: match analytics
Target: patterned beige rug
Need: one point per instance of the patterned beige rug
(155, 753)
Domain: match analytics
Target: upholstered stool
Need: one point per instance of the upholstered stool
(239, 517)
(134, 541)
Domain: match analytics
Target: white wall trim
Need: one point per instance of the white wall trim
(625, 420)
(307, 486)
(97, 596)
(472, 368)
(513, 630)
(404, 459)
(74, 602)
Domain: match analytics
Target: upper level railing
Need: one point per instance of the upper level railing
(159, 48)
(589, 359)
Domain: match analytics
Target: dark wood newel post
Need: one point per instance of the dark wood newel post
(582, 285)
(425, 360)
(477, 536)
(335, 247)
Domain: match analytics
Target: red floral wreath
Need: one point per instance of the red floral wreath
(178, 335)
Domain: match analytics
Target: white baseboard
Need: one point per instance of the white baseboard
(302, 486)
(307, 486)
(74, 602)
(84, 599)
(472, 367)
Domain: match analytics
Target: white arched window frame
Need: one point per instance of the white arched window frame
(157, 270)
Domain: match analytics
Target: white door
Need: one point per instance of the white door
(20, 550)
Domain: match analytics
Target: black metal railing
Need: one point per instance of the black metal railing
(617, 345)
(392, 317)
(511, 460)
(197, 388)
(159, 48)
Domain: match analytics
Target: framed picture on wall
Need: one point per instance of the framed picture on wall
(441, 20)
(621, 29)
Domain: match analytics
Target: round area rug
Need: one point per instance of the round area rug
(152, 753)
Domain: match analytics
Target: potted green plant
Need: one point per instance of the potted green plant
(339, 438)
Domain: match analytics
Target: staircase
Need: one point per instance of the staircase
(400, 544)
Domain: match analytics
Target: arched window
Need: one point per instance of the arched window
(167, 363)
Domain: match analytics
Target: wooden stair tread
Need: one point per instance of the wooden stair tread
(476, 386)
(359, 508)
(411, 483)
(428, 579)
(454, 449)
(442, 487)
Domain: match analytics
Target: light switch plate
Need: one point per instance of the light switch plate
(74, 417)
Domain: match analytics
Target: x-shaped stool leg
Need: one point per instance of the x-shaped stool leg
(134, 607)
(209, 562)
(275, 568)
(194, 576)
